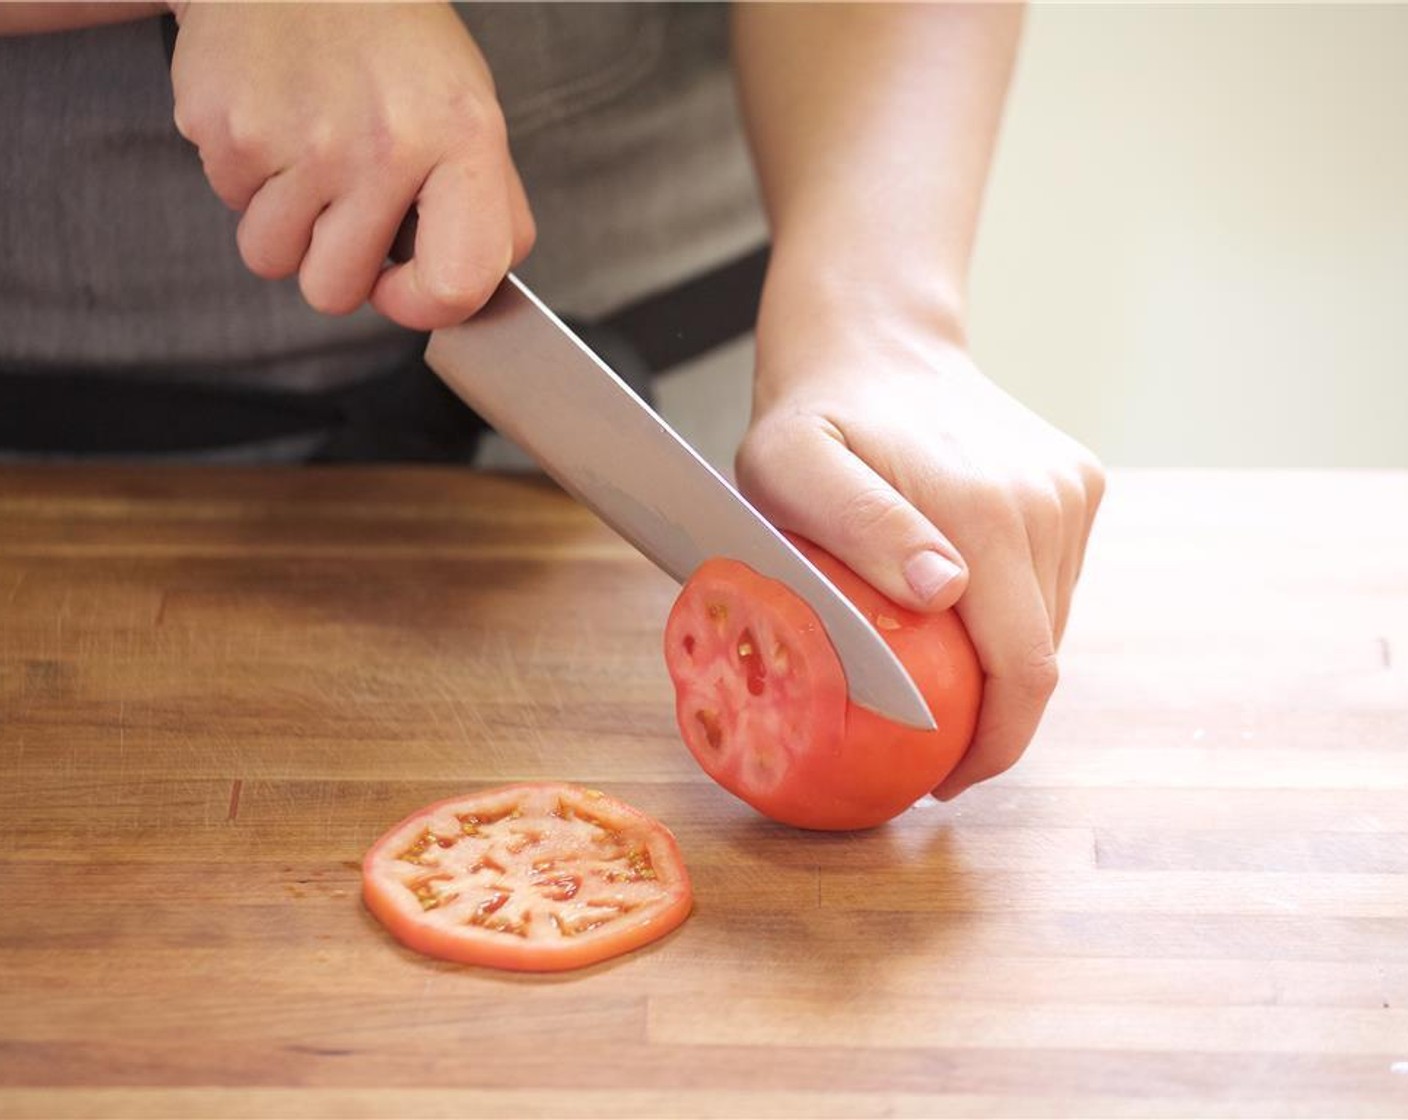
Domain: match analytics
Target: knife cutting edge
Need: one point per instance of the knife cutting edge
(520, 367)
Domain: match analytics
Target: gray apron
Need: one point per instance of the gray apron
(117, 262)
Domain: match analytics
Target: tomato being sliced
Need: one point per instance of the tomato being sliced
(536, 877)
(762, 705)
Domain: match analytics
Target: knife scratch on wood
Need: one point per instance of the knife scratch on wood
(14, 591)
(443, 686)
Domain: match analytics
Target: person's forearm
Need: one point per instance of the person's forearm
(873, 127)
(30, 19)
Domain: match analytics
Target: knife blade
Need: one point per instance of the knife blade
(521, 368)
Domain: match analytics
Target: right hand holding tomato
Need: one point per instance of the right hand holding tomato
(326, 124)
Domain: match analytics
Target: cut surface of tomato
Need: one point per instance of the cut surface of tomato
(762, 704)
(535, 877)
(755, 680)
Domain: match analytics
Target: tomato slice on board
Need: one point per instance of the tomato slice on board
(536, 877)
(761, 699)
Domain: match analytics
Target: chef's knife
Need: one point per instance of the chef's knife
(526, 373)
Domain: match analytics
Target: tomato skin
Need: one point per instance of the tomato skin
(587, 833)
(845, 767)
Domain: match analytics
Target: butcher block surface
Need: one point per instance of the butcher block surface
(218, 687)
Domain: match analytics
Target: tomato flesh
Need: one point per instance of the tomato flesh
(761, 697)
(754, 680)
(533, 877)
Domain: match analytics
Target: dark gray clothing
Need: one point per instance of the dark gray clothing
(115, 256)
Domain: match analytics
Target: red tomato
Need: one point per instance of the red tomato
(761, 697)
(535, 877)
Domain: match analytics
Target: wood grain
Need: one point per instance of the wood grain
(217, 687)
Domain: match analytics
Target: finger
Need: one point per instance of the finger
(1091, 492)
(1072, 558)
(525, 229)
(235, 163)
(277, 226)
(235, 182)
(1069, 567)
(1005, 615)
(349, 245)
(464, 248)
(811, 483)
(1047, 526)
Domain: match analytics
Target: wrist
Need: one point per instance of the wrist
(821, 361)
(868, 287)
(835, 310)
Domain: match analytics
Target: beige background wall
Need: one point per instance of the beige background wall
(1196, 245)
(1195, 248)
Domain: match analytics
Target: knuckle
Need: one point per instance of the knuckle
(525, 236)
(321, 149)
(764, 463)
(258, 259)
(479, 118)
(749, 461)
(1041, 502)
(325, 298)
(233, 198)
(468, 289)
(383, 142)
(1038, 673)
(1092, 475)
(1080, 488)
(993, 491)
(469, 122)
(226, 184)
(196, 117)
(241, 136)
(263, 257)
(1082, 473)
(991, 511)
(388, 144)
(186, 121)
(867, 511)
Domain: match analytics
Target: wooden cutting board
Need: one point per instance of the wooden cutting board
(218, 687)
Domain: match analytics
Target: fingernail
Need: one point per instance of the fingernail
(928, 572)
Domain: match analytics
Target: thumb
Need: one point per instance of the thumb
(810, 483)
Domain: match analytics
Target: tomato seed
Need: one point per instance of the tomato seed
(524, 840)
(418, 848)
(713, 732)
(753, 668)
(562, 888)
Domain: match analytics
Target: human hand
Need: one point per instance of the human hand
(875, 436)
(325, 124)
